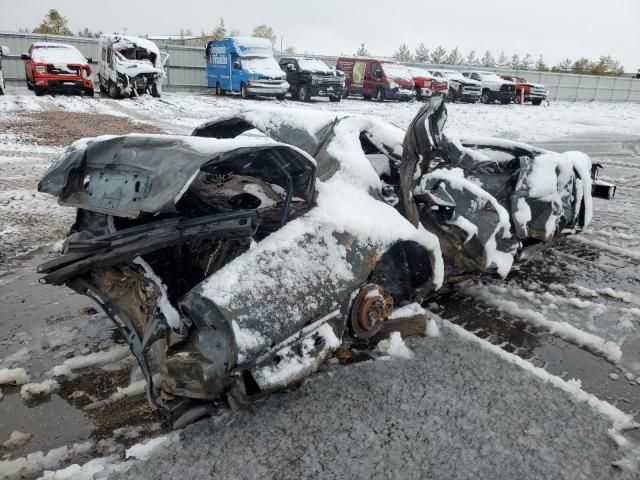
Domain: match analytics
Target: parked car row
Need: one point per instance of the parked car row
(129, 66)
(126, 66)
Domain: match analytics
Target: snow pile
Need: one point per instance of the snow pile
(394, 346)
(35, 463)
(36, 390)
(142, 451)
(96, 359)
(410, 310)
(17, 440)
(13, 376)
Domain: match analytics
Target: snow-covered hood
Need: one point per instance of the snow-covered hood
(467, 81)
(57, 53)
(262, 67)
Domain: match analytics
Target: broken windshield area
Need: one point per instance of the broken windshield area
(136, 54)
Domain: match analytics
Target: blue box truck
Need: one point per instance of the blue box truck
(245, 66)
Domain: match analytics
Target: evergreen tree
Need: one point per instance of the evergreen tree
(422, 54)
(220, 31)
(454, 57)
(564, 65)
(514, 63)
(503, 61)
(438, 55)
(488, 60)
(53, 24)
(403, 54)
(582, 65)
(471, 59)
(362, 51)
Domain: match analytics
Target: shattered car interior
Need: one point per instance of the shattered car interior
(237, 260)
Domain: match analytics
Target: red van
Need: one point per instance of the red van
(426, 84)
(57, 67)
(382, 79)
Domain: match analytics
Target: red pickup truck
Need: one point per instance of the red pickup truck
(426, 84)
(57, 67)
(533, 92)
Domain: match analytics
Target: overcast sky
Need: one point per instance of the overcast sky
(557, 29)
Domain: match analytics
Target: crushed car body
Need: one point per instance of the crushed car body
(235, 264)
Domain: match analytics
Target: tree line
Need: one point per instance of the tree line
(605, 65)
(56, 24)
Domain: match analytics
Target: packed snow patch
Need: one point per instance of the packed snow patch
(36, 390)
(13, 376)
(17, 440)
(394, 346)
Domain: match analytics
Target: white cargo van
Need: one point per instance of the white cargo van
(129, 66)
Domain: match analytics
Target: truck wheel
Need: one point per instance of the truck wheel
(449, 96)
(101, 85)
(380, 95)
(39, 91)
(418, 93)
(303, 93)
(89, 92)
(219, 90)
(114, 90)
(536, 101)
(29, 85)
(243, 91)
(485, 97)
(335, 99)
(505, 101)
(517, 99)
(345, 93)
(367, 97)
(154, 91)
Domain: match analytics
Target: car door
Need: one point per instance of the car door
(371, 78)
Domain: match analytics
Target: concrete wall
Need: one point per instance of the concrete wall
(186, 71)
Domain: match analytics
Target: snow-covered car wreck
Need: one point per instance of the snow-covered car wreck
(235, 263)
(129, 66)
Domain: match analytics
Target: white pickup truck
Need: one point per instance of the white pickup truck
(493, 87)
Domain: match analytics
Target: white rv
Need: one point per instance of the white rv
(129, 66)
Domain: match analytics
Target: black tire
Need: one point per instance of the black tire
(89, 92)
(486, 97)
(114, 90)
(418, 93)
(335, 99)
(450, 96)
(101, 85)
(154, 91)
(536, 101)
(303, 93)
(29, 85)
(39, 91)
(380, 95)
(243, 91)
(281, 97)
(505, 101)
(367, 97)
(1, 90)
(219, 90)
(517, 99)
(345, 93)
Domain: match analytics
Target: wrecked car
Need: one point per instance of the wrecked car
(130, 66)
(235, 265)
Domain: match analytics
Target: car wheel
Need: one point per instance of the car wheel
(101, 85)
(154, 91)
(303, 93)
(345, 93)
(335, 99)
(537, 101)
(38, 91)
(380, 95)
(418, 93)
(281, 97)
(449, 96)
(485, 97)
(367, 97)
(89, 92)
(243, 91)
(219, 90)
(29, 85)
(505, 101)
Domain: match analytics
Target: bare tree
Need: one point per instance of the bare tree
(527, 62)
(265, 31)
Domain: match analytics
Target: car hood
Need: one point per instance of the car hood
(402, 82)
